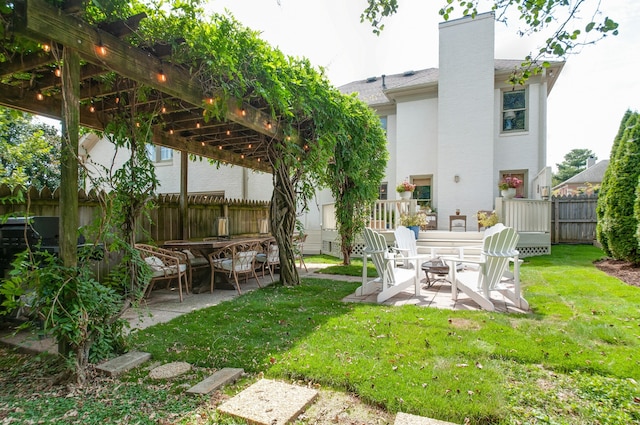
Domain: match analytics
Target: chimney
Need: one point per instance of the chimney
(591, 161)
(384, 84)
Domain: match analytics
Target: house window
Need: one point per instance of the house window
(159, 153)
(383, 123)
(423, 191)
(514, 111)
(382, 191)
(521, 192)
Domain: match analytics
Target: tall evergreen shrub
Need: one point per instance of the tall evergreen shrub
(604, 187)
(620, 224)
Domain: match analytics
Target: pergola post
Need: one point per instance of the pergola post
(184, 207)
(69, 215)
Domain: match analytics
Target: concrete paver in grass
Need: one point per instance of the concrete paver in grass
(269, 402)
(123, 363)
(217, 380)
(407, 419)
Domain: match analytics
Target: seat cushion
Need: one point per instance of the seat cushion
(169, 271)
(155, 263)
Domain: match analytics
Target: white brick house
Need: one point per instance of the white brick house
(455, 131)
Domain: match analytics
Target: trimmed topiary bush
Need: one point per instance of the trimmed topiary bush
(618, 227)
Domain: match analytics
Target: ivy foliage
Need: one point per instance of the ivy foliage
(618, 208)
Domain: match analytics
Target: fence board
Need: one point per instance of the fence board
(163, 222)
(574, 219)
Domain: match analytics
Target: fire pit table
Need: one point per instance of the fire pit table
(436, 267)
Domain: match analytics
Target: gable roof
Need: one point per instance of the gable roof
(593, 174)
(374, 90)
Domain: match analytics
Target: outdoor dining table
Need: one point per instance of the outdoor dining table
(208, 246)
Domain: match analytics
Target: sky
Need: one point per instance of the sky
(585, 107)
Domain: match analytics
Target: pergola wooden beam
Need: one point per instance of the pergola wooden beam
(162, 138)
(46, 23)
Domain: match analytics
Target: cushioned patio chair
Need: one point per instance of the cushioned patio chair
(165, 264)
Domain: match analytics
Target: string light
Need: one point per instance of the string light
(92, 107)
(46, 47)
(198, 124)
(101, 50)
(161, 76)
(228, 132)
(249, 145)
(243, 112)
(269, 125)
(39, 96)
(202, 143)
(57, 72)
(117, 100)
(220, 147)
(163, 109)
(242, 156)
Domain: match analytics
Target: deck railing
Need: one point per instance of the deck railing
(525, 215)
(384, 215)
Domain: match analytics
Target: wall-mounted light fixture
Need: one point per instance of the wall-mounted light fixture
(544, 192)
(456, 178)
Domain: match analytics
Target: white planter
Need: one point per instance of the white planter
(509, 193)
(405, 195)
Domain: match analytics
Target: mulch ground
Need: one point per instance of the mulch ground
(623, 270)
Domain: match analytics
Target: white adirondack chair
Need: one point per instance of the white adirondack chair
(392, 280)
(492, 274)
(406, 246)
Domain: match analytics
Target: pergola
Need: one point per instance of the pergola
(76, 94)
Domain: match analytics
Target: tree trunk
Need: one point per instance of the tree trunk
(283, 221)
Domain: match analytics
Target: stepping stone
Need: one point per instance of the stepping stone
(124, 363)
(269, 402)
(217, 380)
(169, 370)
(407, 419)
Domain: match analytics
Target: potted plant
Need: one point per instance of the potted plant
(487, 219)
(508, 186)
(413, 222)
(405, 189)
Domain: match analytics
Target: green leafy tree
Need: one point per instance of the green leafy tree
(619, 224)
(574, 162)
(607, 181)
(29, 151)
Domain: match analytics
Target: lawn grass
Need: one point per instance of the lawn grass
(574, 360)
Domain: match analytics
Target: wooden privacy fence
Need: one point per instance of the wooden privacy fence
(164, 220)
(573, 219)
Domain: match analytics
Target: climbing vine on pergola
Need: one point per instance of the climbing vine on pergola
(208, 85)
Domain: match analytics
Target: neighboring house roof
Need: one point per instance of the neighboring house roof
(593, 174)
(374, 90)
